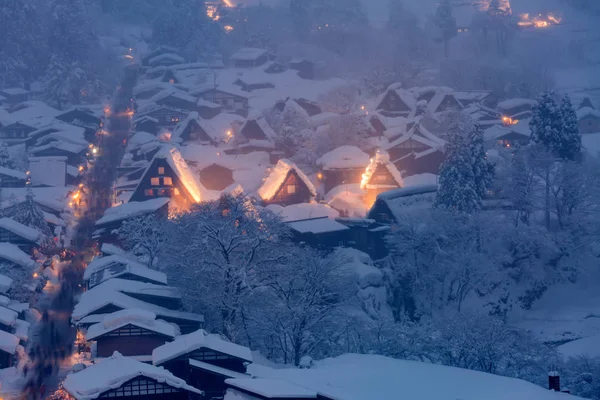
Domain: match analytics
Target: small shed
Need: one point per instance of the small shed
(285, 185)
(343, 165)
(396, 102)
(588, 120)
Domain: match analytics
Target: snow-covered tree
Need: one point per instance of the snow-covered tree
(145, 237)
(445, 22)
(21, 280)
(341, 100)
(216, 253)
(63, 83)
(458, 191)
(571, 143)
(547, 123)
(6, 159)
(483, 171)
(30, 214)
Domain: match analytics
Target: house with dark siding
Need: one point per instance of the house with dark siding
(285, 184)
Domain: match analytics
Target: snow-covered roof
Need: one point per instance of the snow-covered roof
(4, 301)
(5, 283)
(13, 173)
(382, 158)
(8, 317)
(361, 377)
(132, 316)
(172, 92)
(317, 225)
(128, 265)
(248, 53)
(405, 96)
(213, 132)
(297, 212)
(166, 57)
(587, 112)
(14, 91)
(89, 304)
(60, 145)
(185, 344)
(14, 254)
(173, 157)
(134, 287)
(131, 210)
(8, 342)
(115, 371)
(277, 177)
(509, 104)
(22, 329)
(272, 388)
(216, 369)
(408, 199)
(19, 229)
(344, 157)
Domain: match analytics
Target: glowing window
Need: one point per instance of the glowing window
(149, 192)
(167, 181)
(155, 181)
(161, 170)
(176, 192)
(291, 189)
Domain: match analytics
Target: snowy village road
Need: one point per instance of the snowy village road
(53, 341)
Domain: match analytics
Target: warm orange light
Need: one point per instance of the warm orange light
(229, 133)
(81, 185)
(228, 28)
(35, 275)
(81, 168)
(129, 56)
(507, 121)
(320, 176)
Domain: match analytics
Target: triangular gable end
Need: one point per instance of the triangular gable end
(252, 131)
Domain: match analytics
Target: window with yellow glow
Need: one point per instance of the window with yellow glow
(155, 181)
(161, 170)
(168, 181)
(176, 192)
(149, 192)
(291, 189)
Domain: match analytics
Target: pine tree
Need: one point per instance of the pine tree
(29, 213)
(446, 22)
(547, 124)
(570, 148)
(6, 161)
(458, 190)
(483, 171)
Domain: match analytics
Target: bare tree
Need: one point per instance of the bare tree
(144, 236)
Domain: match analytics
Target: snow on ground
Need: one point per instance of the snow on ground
(365, 377)
(591, 142)
(298, 212)
(589, 346)
(421, 179)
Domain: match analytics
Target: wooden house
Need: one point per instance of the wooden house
(74, 153)
(391, 206)
(285, 185)
(216, 177)
(123, 377)
(149, 292)
(416, 152)
(197, 130)
(251, 86)
(169, 77)
(22, 236)
(231, 99)
(305, 68)
(102, 269)
(440, 100)
(515, 109)
(166, 116)
(148, 90)
(467, 98)
(131, 332)
(253, 135)
(175, 99)
(159, 50)
(16, 132)
(269, 389)
(148, 124)
(250, 57)
(165, 60)
(380, 176)
(585, 102)
(11, 254)
(310, 107)
(588, 120)
(203, 360)
(322, 232)
(168, 175)
(10, 178)
(81, 117)
(344, 165)
(275, 68)
(509, 136)
(8, 349)
(396, 102)
(14, 95)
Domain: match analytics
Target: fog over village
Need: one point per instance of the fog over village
(300, 199)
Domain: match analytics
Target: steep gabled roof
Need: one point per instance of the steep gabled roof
(14, 254)
(33, 235)
(140, 318)
(381, 160)
(131, 210)
(277, 177)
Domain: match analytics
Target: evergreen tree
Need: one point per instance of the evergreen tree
(6, 160)
(547, 123)
(446, 23)
(300, 11)
(570, 147)
(483, 171)
(458, 190)
(63, 83)
(29, 213)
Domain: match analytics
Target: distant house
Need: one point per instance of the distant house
(8, 349)
(16, 132)
(196, 129)
(84, 118)
(14, 95)
(509, 136)
(169, 77)
(344, 165)
(148, 124)
(168, 175)
(157, 52)
(24, 237)
(268, 389)
(467, 98)
(175, 99)
(166, 60)
(322, 232)
(305, 68)
(74, 153)
(391, 206)
(131, 332)
(285, 185)
(216, 177)
(124, 377)
(416, 152)
(380, 176)
(516, 109)
(147, 90)
(588, 120)
(249, 57)
(208, 109)
(310, 107)
(102, 269)
(439, 100)
(10, 178)
(204, 360)
(396, 102)
(275, 68)
(253, 135)
(48, 171)
(153, 293)
(166, 116)
(251, 86)
(11, 253)
(231, 99)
